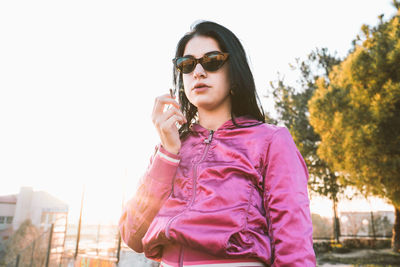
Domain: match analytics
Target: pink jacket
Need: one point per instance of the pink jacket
(233, 193)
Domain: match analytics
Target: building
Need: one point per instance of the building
(40, 207)
(7, 210)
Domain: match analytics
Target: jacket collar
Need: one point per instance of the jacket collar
(241, 120)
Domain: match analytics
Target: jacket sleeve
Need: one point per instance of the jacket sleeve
(287, 204)
(154, 188)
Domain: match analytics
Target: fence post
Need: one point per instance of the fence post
(119, 247)
(17, 261)
(79, 225)
(49, 246)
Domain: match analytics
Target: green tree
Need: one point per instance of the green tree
(291, 104)
(356, 111)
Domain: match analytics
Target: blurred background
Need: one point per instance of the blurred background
(77, 85)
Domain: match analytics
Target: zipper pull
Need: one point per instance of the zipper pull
(208, 140)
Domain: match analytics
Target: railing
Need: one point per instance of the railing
(46, 249)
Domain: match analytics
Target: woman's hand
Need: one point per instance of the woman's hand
(165, 122)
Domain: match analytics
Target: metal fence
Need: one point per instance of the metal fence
(45, 250)
(100, 245)
(355, 225)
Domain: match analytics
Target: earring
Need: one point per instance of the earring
(231, 92)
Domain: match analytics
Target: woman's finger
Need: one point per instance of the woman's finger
(168, 113)
(160, 119)
(171, 121)
(159, 105)
(161, 101)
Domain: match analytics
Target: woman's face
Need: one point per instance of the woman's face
(213, 93)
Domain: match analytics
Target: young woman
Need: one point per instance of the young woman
(225, 189)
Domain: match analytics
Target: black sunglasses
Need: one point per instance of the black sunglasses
(211, 61)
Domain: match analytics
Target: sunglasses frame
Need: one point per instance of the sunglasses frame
(200, 60)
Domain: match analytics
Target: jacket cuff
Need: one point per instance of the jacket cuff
(168, 155)
(164, 166)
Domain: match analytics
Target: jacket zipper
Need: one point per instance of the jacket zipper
(207, 142)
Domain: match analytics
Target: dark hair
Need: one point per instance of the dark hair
(244, 97)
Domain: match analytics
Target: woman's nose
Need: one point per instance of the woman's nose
(199, 71)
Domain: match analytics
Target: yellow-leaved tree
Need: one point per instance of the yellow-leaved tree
(356, 112)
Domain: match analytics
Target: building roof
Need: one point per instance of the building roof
(8, 199)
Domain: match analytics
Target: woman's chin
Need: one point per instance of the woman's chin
(209, 103)
(202, 101)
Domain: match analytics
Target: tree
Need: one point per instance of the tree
(25, 235)
(292, 107)
(356, 111)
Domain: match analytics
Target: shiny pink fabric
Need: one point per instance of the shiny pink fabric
(180, 255)
(242, 195)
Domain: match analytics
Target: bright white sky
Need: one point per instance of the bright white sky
(78, 80)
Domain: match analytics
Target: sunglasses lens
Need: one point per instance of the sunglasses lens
(210, 62)
(213, 62)
(185, 65)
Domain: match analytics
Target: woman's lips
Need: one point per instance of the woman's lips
(200, 89)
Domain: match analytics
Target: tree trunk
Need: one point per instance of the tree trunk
(336, 225)
(396, 230)
(373, 229)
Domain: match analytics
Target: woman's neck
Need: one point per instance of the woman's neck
(212, 120)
